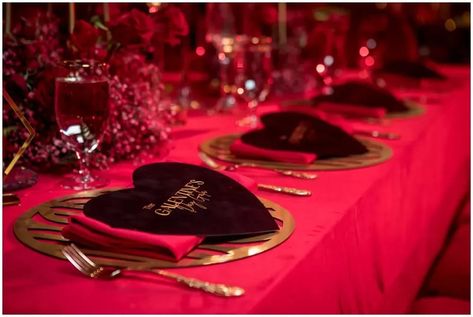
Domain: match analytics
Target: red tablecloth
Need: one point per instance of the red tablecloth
(363, 242)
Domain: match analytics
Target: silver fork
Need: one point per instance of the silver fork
(85, 265)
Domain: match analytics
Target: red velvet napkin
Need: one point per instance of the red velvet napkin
(245, 150)
(352, 110)
(96, 234)
(93, 233)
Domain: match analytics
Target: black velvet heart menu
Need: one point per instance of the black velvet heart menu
(182, 199)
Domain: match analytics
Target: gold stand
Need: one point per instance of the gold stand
(9, 198)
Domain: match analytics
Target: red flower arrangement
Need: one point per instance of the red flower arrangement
(137, 121)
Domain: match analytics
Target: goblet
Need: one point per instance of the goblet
(253, 74)
(82, 108)
(330, 35)
(221, 32)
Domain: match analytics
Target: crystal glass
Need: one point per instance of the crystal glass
(82, 108)
(253, 74)
(331, 29)
(221, 31)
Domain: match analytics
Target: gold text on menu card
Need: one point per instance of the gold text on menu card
(189, 198)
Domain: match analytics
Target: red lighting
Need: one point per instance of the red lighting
(320, 68)
(153, 9)
(369, 61)
(364, 51)
(200, 51)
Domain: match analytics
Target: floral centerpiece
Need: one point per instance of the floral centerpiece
(130, 43)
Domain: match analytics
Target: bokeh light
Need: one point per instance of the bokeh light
(328, 60)
(371, 44)
(369, 61)
(364, 51)
(200, 51)
(450, 25)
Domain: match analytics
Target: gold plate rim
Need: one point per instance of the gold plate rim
(54, 215)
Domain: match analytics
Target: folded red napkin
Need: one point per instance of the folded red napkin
(93, 233)
(352, 110)
(246, 150)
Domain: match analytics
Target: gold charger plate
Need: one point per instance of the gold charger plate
(415, 109)
(40, 229)
(219, 147)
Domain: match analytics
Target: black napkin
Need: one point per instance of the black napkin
(299, 132)
(364, 95)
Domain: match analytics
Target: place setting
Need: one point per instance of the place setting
(297, 140)
(176, 215)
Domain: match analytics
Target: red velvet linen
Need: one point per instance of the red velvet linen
(451, 274)
(441, 305)
(363, 242)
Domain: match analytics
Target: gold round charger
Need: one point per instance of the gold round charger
(40, 229)
(219, 147)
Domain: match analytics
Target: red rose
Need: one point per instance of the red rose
(84, 36)
(133, 28)
(171, 25)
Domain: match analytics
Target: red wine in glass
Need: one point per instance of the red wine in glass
(82, 109)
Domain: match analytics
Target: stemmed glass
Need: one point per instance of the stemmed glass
(253, 67)
(221, 31)
(330, 56)
(82, 108)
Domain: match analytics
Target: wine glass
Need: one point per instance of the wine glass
(330, 32)
(82, 108)
(253, 67)
(221, 31)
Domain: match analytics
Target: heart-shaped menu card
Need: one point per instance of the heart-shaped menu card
(362, 95)
(289, 135)
(172, 200)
